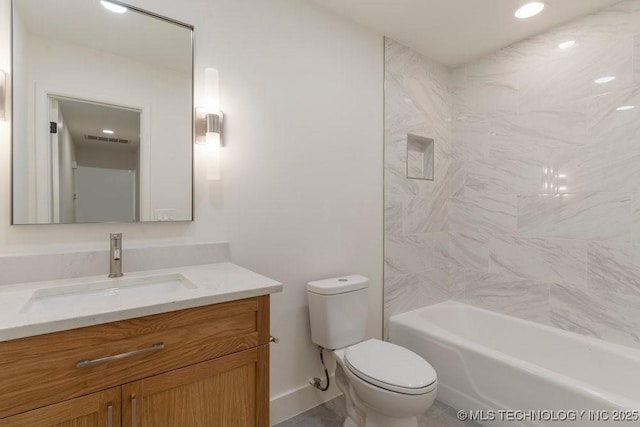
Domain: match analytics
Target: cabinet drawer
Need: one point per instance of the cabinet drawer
(41, 370)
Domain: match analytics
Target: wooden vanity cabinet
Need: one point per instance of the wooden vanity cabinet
(221, 392)
(93, 410)
(200, 367)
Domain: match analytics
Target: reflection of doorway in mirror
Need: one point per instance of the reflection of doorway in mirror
(95, 161)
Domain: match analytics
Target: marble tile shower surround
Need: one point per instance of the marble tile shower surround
(541, 175)
(63, 264)
(417, 220)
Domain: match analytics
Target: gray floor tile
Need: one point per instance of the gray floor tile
(332, 414)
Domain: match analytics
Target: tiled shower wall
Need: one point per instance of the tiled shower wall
(417, 101)
(543, 177)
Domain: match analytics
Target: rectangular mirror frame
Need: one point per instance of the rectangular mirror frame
(192, 139)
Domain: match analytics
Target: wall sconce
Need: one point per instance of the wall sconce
(209, 118)
(3, 94)
(209, 124)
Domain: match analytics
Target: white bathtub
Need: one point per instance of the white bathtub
(492, 362)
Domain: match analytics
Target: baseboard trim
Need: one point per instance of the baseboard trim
(294, 402)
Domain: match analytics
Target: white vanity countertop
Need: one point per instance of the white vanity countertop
(214, 283)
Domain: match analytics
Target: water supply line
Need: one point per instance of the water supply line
(317, 382)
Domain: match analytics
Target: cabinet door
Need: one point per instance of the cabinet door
(231, 391)
(94, 410)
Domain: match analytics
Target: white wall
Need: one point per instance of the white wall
(301, 195)
(305, 187)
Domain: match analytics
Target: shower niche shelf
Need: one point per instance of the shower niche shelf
(420, 157)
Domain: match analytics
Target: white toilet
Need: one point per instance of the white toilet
(385, 385)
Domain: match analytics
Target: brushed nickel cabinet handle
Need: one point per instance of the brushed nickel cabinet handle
(94, 362)
(134, 411)
(274, 340)
(110, 415)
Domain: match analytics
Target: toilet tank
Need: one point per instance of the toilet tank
(338, 309)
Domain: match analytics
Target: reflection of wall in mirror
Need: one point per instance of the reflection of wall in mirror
(22, 134)
(67, 158)
(109, 159)
(62, 67)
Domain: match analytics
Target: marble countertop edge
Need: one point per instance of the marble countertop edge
(216, 283)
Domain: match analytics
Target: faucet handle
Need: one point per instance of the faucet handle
(116, 236)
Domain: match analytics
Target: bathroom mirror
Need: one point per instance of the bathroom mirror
(102, 114)
(420, 157)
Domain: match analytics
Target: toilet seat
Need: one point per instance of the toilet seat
(390, 367)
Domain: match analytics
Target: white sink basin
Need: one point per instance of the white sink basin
(110, 291)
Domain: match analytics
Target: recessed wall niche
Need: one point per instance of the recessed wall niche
(420, 157)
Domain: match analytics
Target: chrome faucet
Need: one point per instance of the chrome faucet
(115, 255)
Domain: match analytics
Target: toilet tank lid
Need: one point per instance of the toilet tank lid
(338, 285)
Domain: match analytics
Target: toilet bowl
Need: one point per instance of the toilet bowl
(385, 385)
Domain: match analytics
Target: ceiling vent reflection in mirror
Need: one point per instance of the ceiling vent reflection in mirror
(105, 139)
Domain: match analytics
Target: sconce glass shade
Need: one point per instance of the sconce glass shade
(211, 90)
(209, 118)
(3, 94)
(212, 138)
(209, 125)
(213, 160)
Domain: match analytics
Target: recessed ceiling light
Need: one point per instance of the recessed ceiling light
(626, 108)
(108, 131)
(530, 9)
(605, 79)
(567, 45)
(116, 8)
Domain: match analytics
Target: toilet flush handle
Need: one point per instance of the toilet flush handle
(274, 340)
